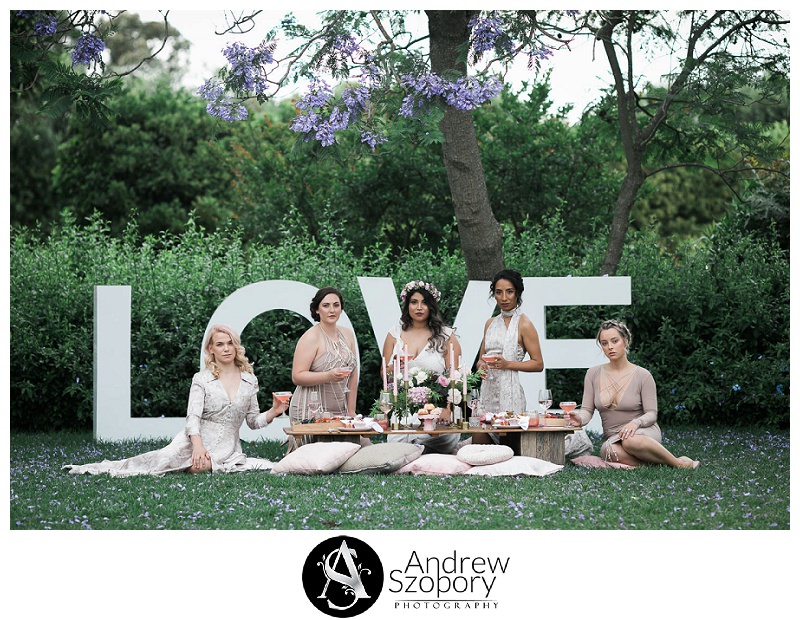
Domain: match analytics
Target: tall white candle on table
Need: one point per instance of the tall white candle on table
(452, 363)
(463, 378)
(405, 364)
(396, 375)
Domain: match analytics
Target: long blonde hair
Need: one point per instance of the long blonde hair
(240, 360)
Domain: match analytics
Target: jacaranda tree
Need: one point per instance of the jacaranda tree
(400, 86)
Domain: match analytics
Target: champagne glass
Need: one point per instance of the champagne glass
(490, 357)
(567, 406)
(345, 372)
(283, 397)
(545, 399)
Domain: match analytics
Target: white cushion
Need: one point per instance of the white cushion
(484, 454)
(381, 458)
(320, 457)
(517, 466)
(435, 464)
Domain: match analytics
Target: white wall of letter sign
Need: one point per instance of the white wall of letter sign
(112, 339)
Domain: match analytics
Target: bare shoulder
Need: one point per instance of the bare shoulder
(310, 337)
(348, 335)
(526, 323)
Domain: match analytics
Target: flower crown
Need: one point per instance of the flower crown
(419, 284)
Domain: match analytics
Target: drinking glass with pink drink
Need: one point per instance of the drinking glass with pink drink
(283, 398)
(567, 407)
(490, 357)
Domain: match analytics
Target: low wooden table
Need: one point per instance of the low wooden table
(541, 442)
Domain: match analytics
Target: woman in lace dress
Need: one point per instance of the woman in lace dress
(625, 396)
(430, 341)
(511, 335)
(222, 396)
(325, 360)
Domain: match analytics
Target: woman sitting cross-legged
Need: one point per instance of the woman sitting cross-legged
(625, 396)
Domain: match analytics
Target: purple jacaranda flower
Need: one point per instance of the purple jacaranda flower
(219, 104)
(372, 139)
(45, 25)
(488, 33)
(88, 48)
(319, 94)
(247, 65)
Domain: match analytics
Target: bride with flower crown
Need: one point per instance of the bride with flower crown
(429, 340)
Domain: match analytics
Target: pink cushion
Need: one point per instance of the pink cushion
(320, 457)
(596, 461)
(435, 464)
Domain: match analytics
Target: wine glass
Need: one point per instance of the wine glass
(385, 401)
(314, 405)
(473, 400)
(567, 406)
(545, 399)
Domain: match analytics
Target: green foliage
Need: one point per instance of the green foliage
(710, 323)
(157, 157)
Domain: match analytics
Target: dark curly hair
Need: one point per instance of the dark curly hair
(435, 322)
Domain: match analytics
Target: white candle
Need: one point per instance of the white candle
(463, 378)
(396, 374)
(452, 363)
(405, 364)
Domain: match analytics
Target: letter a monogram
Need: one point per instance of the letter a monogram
(351, 581)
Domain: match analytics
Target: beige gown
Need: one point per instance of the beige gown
(635, 401)
(212, 415)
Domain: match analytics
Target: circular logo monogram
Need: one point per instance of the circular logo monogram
(343, 576)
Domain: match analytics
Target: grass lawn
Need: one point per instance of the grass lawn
(742, 483)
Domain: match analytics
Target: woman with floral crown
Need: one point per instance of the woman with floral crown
(430, 342)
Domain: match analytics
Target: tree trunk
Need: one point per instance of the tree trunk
(480, 233)
(632, 143)
(631, 185)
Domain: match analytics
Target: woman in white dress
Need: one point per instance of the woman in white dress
(511, 336)
(429, 340)
(222, 396)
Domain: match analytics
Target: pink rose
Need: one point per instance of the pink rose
(443, 381)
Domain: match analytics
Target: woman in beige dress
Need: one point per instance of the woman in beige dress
(625, 396)
(222, 396)
(325, 361)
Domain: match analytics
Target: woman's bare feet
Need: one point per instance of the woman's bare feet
(688, 463)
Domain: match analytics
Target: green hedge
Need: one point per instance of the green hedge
(711, 322)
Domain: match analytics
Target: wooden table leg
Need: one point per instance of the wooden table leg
(543, 445)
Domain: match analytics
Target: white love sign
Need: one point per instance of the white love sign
(112, 337)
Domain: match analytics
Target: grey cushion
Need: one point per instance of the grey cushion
(381, 458)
